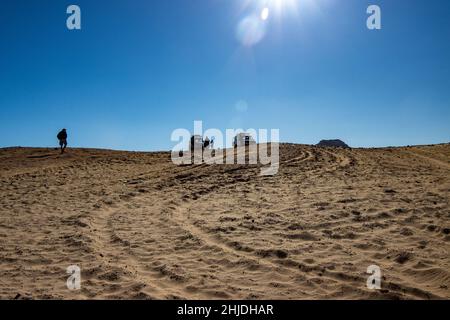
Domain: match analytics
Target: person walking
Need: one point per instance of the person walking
(62, 137)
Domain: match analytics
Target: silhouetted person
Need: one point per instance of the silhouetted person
(62, 137)
(206, 143)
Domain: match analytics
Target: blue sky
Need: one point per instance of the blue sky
(140, 69)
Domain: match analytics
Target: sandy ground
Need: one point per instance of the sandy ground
(140, 227)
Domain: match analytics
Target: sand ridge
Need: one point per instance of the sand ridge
(141, 227)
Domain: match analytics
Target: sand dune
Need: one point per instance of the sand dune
(142, 228)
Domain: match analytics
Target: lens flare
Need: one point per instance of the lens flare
(250, 31)
(265, 13)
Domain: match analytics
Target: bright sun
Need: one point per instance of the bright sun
(252, 28)
(289, 7)
(278, 7)
(284, 4)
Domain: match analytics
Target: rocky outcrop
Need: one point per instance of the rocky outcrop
(333, 143)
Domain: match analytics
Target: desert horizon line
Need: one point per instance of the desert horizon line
(169, 150)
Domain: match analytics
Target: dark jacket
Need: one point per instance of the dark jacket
(62, 135)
